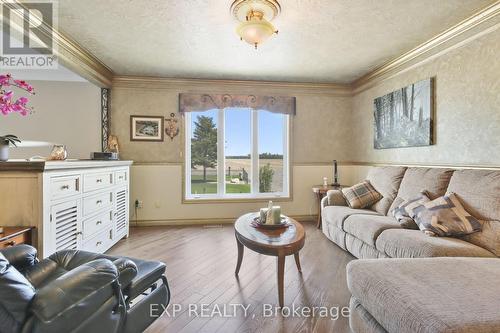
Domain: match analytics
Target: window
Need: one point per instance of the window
(236, 153)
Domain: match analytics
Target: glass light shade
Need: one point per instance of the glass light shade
(255, 31)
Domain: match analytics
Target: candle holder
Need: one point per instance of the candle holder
(335, 175)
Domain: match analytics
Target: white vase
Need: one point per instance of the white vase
(4, 152)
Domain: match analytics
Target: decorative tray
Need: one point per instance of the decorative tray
(284, 223)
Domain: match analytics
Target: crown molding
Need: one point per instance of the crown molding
(481, 22)
(207, 85)
(84, 63)
(68, 52)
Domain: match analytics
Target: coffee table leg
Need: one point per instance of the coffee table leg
(297, 261)
(281, 275)
(240, 256)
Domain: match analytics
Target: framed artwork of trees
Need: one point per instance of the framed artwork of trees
(404, 117)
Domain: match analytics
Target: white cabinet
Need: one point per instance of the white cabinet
(65, 225)
(89, 208)
(121, 211)
(73, 204)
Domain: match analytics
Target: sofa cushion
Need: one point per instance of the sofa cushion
(337, 214)
(369, 227)
(360, 249)
(488, 237)
(433, 180)
(445, 216)
(386, 181)
(429, 295)
(335, 235)
(361, 321)
(361, 195)
(478, 191)
(404, 243)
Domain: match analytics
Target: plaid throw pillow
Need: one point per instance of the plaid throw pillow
(445, 216)
(361, 195)
(404, 212)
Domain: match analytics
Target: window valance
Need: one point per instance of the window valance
(204, 102)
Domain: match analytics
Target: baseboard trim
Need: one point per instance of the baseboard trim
(204, 221)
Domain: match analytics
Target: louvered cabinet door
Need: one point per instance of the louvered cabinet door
(121, 214)
(65, 225)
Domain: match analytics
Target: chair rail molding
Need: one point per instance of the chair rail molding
(69, 53)
(456, 166)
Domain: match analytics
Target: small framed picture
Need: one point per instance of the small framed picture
(146, 128)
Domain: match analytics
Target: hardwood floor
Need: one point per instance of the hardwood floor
(200, 270)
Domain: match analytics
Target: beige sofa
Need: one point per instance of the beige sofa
(374, 233)
(452, 292)
(425, 295)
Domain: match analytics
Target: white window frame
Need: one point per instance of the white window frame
(221, 166)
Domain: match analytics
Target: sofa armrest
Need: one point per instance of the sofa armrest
(77, 293)
(334, 198)
(324, 202)
(127, 270)
(21, 256)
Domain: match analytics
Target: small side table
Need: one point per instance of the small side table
(12, 236)
(320, 191)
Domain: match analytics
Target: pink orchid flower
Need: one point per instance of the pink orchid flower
(6, 97)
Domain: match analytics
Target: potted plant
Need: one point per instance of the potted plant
(8, 105)
(5, 142)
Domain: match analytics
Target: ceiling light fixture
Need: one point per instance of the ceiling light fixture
(254, 17)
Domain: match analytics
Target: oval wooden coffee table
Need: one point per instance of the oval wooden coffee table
(272, 242)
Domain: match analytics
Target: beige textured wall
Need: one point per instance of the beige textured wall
(326, 126)
(65, 112)
(318, 116)
(160, 189)
(467, 117)
(319, 135)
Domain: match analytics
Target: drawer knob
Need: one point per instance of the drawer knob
(65, 187)
(98, 222)
(11, 243)
(98, 202)
(98, 243)
(99, 180)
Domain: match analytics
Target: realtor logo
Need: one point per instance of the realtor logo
(27, 36)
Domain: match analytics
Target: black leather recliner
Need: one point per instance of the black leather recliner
(78, 291)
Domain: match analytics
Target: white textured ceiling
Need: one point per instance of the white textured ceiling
(319, 40)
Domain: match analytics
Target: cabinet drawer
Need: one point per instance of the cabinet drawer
(96, 181)
(121, 177)
(64, 186)
(16, 240)
(100, 242)
(95, 203)
(97, 223)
